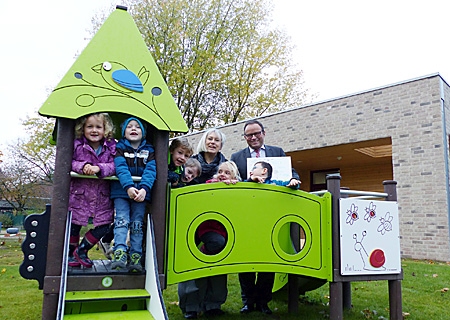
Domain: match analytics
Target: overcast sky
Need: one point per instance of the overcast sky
(343, 47)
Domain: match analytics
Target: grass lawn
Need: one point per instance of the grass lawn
(425, 294)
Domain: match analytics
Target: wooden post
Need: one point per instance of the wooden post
(336, 300)
(390, 187)
(293, 292)
(159, 199)
(395, 286)
(58, 216)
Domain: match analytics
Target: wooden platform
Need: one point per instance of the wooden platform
(99, 267)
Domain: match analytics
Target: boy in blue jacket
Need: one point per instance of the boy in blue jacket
(262, 173)
(134, 157)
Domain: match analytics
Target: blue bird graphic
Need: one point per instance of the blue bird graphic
(121, 82)
(128, 80)
(121, 76)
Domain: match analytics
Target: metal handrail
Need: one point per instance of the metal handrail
(361, 194)
(77, 175)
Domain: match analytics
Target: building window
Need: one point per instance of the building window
(319, 179)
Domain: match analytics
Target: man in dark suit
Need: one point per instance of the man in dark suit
(256, 291)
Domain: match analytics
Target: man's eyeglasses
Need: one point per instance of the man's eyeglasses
(250, 135)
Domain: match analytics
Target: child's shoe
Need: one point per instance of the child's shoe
(80, 253)
(72, 262)
(106, 249)
(135, 263)
(81, 256)
(120, 259)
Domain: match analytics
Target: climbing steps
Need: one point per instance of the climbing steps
(107, 304)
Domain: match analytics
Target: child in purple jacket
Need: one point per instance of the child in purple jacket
(93, 154)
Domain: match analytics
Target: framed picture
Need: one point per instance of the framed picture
(370, 237)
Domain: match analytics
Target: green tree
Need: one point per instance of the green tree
(222, 59)
(17, 186)
(27, 172)
(37, 151)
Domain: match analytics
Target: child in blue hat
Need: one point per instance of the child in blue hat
(134, 157)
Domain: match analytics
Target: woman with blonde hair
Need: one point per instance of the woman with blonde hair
(209, 153)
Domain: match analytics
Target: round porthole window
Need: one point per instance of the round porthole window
(291, 238)
(206, 245)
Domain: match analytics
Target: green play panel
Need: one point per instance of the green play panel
(257, 223)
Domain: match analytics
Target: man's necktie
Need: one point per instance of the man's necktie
(257, 153)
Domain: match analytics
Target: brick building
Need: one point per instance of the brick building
(396, 132)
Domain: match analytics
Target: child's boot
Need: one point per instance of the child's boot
(73, 244)
(120, 259)
(135, 263)
(81, 252)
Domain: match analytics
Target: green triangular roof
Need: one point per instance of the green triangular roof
(116, 73)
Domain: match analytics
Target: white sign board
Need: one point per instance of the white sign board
(370, 239)
(281, 166)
